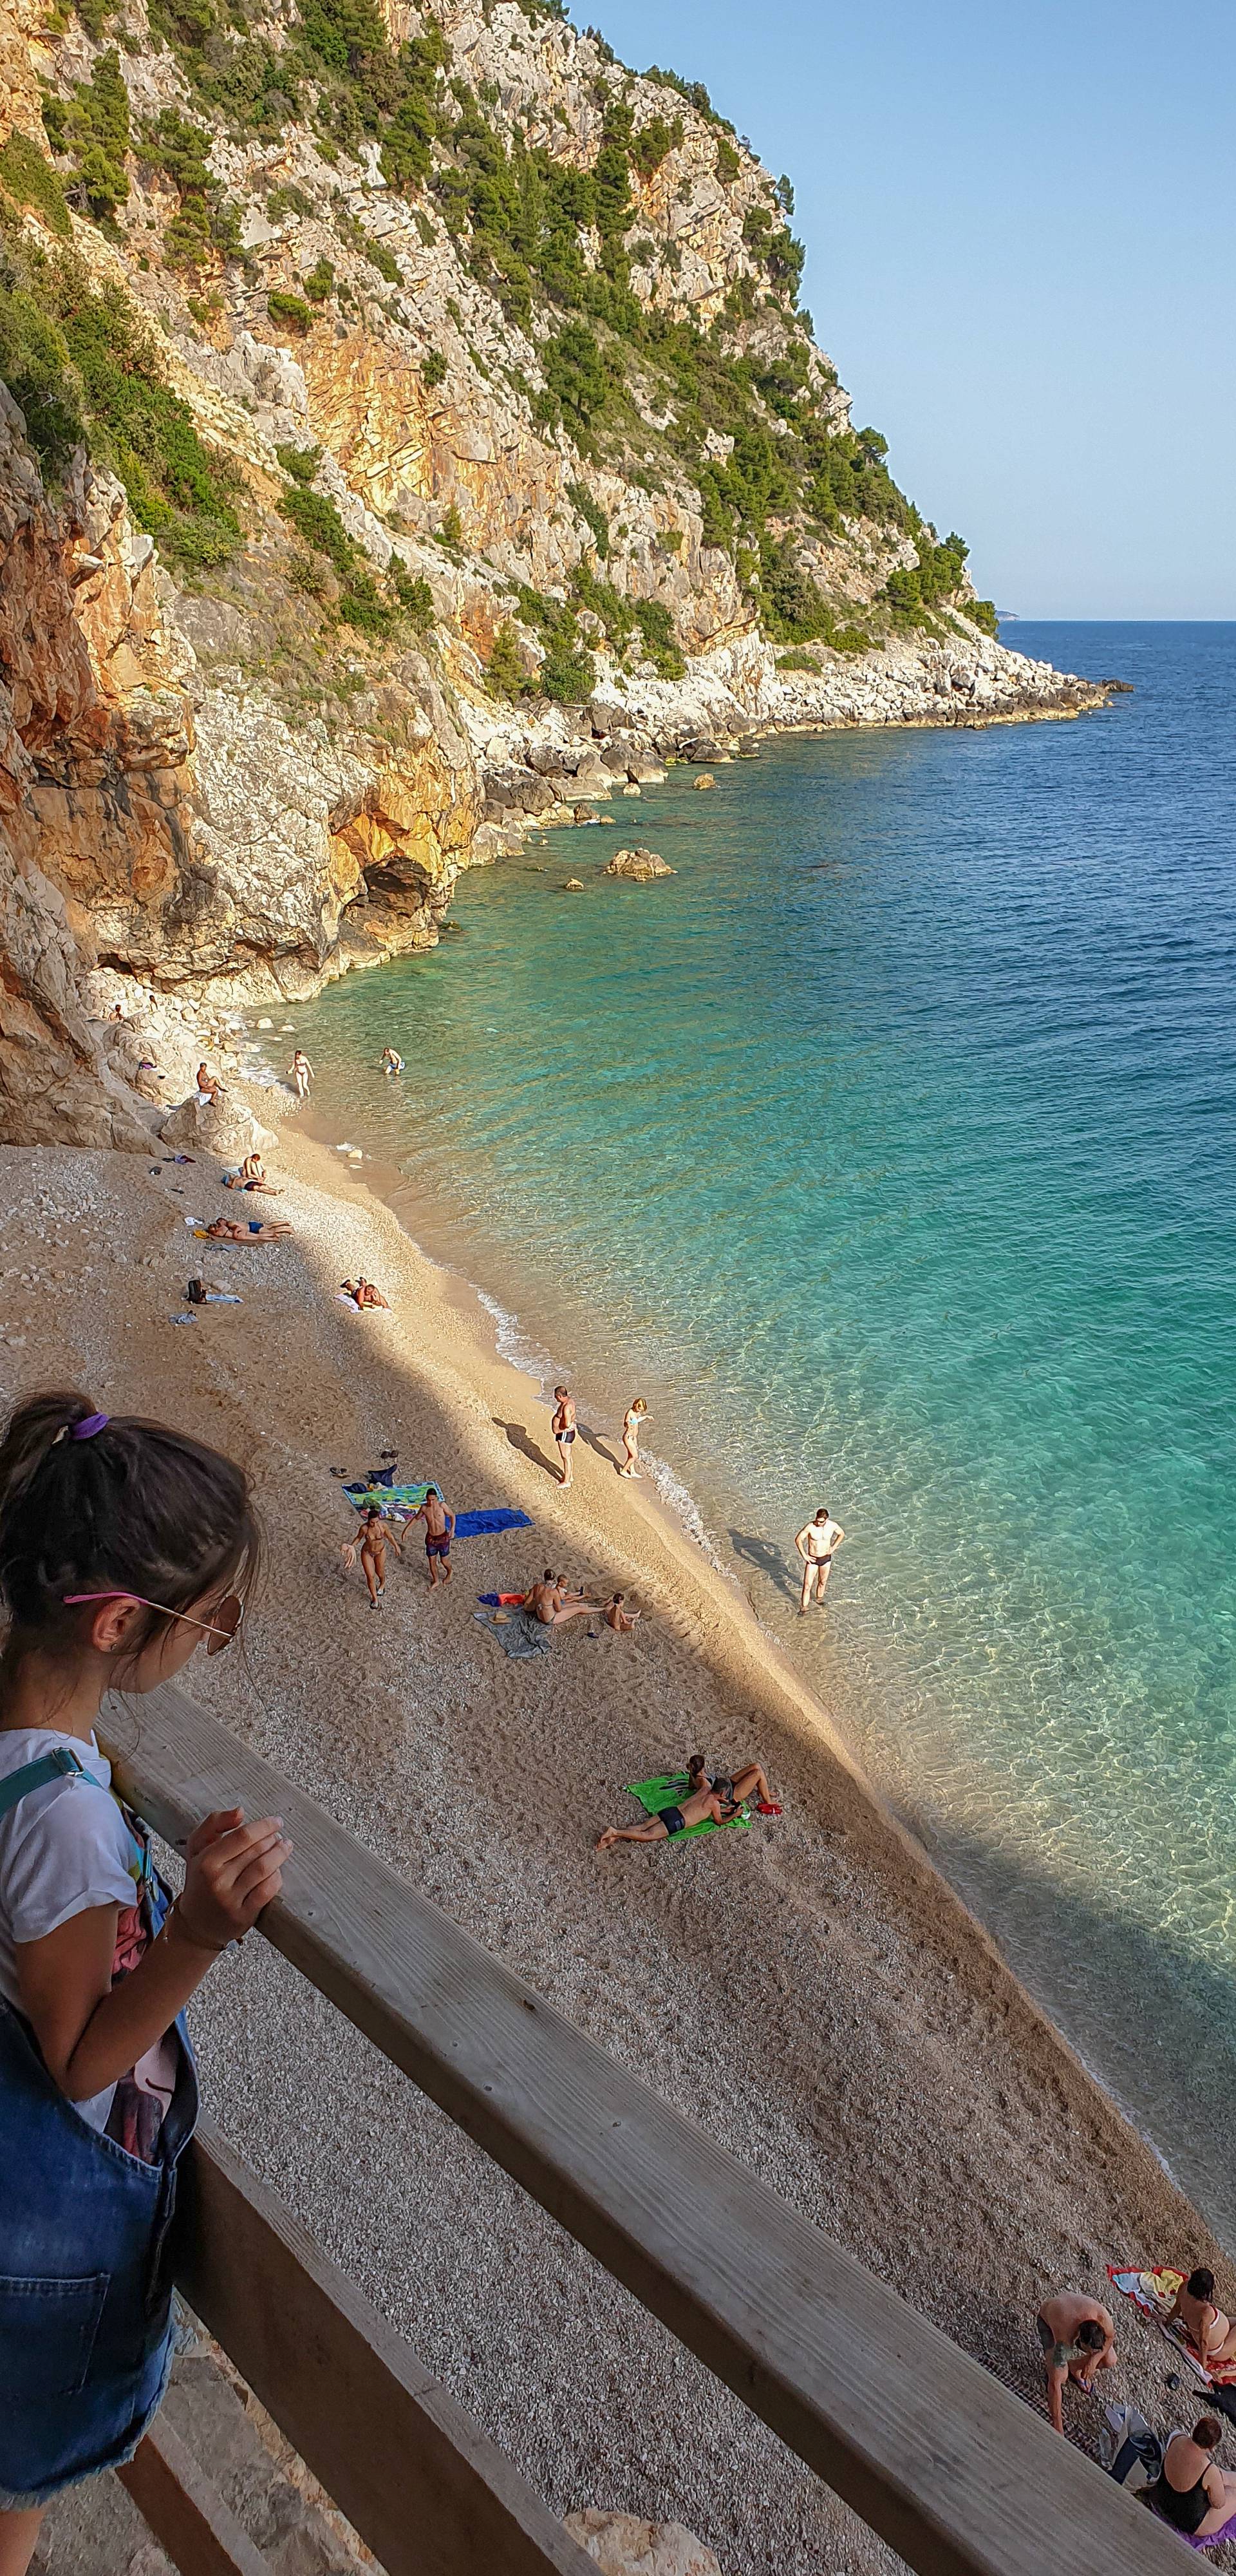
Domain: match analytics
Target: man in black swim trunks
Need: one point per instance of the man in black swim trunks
(564, 1428)
(704, 1805)
(439, 1531)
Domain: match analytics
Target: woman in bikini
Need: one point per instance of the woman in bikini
(1212, 2335)
(564, 1428)
(635, 1416)
(373, 1538)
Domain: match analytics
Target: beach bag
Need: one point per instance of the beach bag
(1130, 2450)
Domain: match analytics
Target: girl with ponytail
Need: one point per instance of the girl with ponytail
(123, 1548)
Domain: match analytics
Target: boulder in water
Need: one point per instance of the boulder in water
(638, 863)
(704, 780)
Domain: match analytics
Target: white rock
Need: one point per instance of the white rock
(623, 2545)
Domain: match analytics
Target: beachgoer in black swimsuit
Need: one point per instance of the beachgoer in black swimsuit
(1206, 2499)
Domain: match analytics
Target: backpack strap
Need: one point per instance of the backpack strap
(56, 1765)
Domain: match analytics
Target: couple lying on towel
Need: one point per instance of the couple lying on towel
(708, 1802)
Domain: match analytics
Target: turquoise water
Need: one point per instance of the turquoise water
(890, 1150)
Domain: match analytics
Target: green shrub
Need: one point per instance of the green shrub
(506, 672)
(291, 310)
(652, 142)
(575, 372)
(204, 221)
(300, 462)
(316, 519)
(657, 628)
(361, 603)
(729, 166)
(593, 516)
(81, 362)
(31, 179)
(320, 282)
(35, 365)
(433, 368)
(94, 127)
(413, 594)
(568, 671)
(451, 530)
(981, 612)
(383, 260)
(289, 200)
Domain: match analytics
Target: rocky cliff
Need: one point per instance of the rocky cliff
(412, 428)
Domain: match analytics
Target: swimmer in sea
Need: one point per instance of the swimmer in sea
(392, 1062)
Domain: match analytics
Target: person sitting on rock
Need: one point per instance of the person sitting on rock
(208, 1083)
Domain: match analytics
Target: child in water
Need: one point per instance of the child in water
(123, 1548)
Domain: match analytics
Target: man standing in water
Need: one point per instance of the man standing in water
(817, 1544)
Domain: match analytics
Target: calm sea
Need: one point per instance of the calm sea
(890, 1150)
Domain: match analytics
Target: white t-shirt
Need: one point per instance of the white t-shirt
(63, 1848)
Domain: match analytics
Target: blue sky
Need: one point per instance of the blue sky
(1021, 255)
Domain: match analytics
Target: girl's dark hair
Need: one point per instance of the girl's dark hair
(1208, 2433)
(1201, 2284)
(695, 1762)
(134, 1507)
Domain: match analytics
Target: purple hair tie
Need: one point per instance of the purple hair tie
(87, 1429)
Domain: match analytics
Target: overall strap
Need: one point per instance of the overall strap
(38, 1774)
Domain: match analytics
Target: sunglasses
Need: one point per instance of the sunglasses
(220, 1630)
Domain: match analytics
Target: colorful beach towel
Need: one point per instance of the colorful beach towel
(653, 1795)
(1154, 2292)
(502, 1600)
(407, 1499)
(389, 1497)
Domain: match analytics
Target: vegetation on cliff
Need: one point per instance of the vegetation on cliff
(714, 406)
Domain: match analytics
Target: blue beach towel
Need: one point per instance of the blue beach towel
(408, 1498)
(482, 1524)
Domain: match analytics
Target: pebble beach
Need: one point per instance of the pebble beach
(811, 1992)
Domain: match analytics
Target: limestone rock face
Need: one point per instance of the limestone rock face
(464, 488)
(218, 1126)
(623, 2545)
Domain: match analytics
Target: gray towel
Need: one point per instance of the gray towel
(519, 1636)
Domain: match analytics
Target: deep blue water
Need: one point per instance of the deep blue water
(890, 1149)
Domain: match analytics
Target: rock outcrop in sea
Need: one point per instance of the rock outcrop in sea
(411, 433)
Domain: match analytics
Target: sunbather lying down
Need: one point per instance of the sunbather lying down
(362, 1293)
(707, 1801)
(229, 1229)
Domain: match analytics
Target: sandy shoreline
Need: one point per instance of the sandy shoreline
(811, 1991)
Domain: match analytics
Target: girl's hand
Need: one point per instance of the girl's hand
(233, 1870)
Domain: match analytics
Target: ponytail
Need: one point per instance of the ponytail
(92, 1504)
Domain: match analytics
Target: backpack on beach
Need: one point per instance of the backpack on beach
(1130, 2450)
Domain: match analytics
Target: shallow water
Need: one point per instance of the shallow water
(889, 1149)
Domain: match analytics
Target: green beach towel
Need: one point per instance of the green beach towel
(653, 1795)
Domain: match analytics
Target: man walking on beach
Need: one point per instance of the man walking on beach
(439, 1531)
(817, 1544)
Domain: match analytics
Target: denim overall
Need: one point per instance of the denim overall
(85, 2271)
